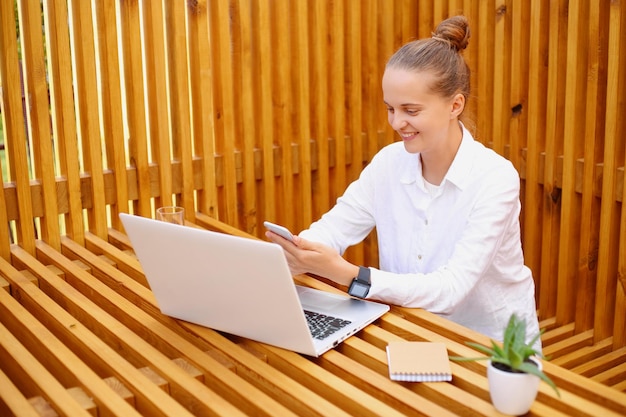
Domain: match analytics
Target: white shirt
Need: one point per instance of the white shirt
(454, 250)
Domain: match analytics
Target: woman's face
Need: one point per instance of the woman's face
(423, 119)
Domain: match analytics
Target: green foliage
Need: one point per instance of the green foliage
(514, 352)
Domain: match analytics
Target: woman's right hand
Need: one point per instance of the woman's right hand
(307, 256)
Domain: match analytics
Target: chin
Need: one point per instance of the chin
(412, 147)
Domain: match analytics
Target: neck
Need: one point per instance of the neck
(435, 163)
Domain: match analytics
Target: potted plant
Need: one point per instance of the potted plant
(514, 369)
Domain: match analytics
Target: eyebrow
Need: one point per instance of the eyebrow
(405, 104)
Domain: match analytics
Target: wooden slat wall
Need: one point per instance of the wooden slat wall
(251, 110)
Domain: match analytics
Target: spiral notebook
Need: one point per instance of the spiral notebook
(418, 362)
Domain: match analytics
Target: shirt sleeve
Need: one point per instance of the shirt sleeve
(351, 219)
(491, 222)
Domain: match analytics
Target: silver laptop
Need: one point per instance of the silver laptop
(241, 286)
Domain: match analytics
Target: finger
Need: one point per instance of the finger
(305, 244)
(276, 238)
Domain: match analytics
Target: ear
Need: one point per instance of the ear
(458, 105)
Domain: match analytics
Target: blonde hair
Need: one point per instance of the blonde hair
(440, 55)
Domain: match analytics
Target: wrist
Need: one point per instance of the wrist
(349, 273)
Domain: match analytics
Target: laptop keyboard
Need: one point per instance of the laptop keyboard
(322, 325)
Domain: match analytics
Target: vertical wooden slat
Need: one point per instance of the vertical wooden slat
(201, 74)
(37, 105)
(592, 146)
(455, 7)
(178, 84)
(518, 102)
(553, 133)
(8, 106)
(282, 103)
(426, 23)
(485, 27)
(63, 114)
(302, 135)
(319, 78)
(266, 124)
(533, 196)
(501, 77)
(471, 54)
(16, 141)
(135, 105)
(156, 84)
(245, 87)
(237, 139)
(574, 130)
(336, 79)
(387, 43)
(354, 80)
(86, 90)
(619, 326)
(409, 10)
(614, 150)
(354, 119)
(225, 142)
(440, 12)
(111, 97)
(517, 108)
(372, 68)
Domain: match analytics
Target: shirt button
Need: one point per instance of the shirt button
(426, 222)
(419, 257)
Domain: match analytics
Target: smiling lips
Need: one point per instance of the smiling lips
(408, 136)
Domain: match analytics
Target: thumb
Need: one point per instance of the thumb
(303, 243)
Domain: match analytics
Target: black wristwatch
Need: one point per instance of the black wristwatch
(360, 286)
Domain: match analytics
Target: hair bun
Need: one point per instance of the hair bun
(455, 31)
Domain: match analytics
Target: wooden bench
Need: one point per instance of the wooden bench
(82, 335)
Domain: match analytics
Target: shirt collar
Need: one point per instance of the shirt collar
(457, 174)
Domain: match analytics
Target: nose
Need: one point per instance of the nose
(396, 121)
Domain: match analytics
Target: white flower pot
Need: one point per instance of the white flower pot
(512, 393)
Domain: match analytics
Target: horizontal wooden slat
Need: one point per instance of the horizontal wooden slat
(177, 186)
(584, 355)
(573, 343)
(12, 400)
(602, 363)
(33, 376)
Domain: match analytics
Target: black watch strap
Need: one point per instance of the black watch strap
(360, 285)
(364, 275)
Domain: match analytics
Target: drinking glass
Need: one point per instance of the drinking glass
(171, 214)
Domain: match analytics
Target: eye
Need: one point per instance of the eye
(390, 109)
(412, 112)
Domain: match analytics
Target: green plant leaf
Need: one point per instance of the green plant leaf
(530, 368)
(482, 348)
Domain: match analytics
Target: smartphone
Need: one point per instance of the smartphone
(279, 230)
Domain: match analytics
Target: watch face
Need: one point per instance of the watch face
(358, 289)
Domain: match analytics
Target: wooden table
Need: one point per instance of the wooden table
(80, 334)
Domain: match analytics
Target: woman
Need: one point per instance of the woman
(446, 209)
